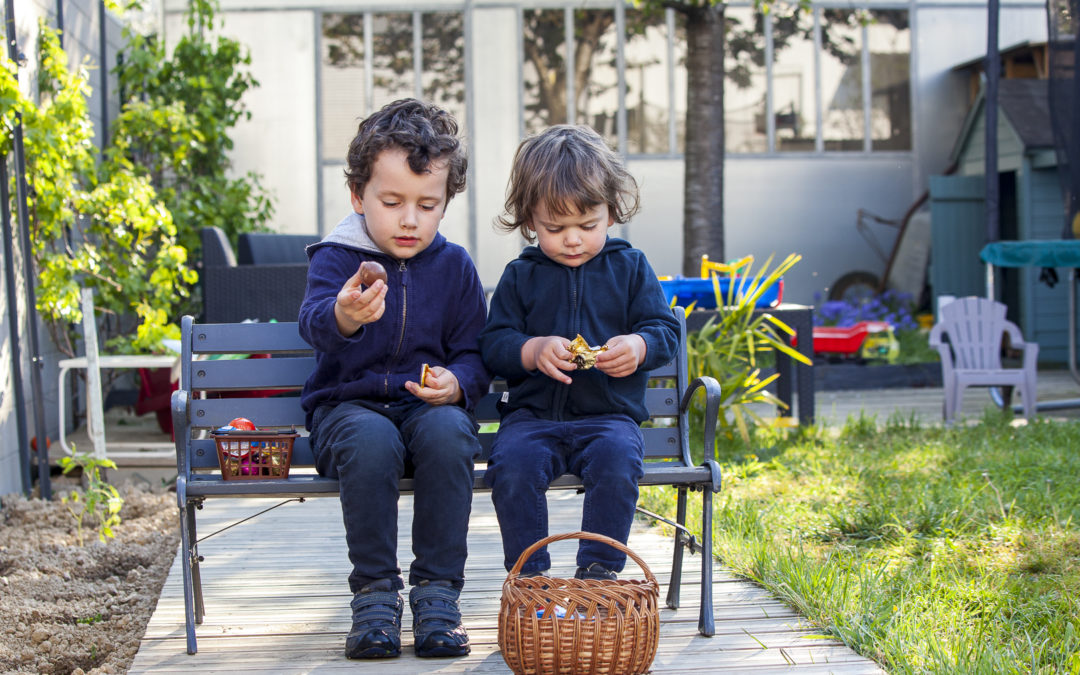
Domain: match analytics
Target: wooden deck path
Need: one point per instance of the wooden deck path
(277, 601)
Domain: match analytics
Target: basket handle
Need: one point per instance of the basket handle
(527, 553)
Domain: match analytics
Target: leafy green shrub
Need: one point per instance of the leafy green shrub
(92, 224)
(125, 222)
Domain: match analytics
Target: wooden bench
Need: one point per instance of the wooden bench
(195, 412)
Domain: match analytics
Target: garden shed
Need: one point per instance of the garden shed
(1030, 205)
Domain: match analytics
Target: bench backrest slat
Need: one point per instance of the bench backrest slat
(248, 374)
(266, 390)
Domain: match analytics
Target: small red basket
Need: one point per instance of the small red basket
(254, 455)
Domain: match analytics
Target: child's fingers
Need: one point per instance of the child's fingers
(353, 281)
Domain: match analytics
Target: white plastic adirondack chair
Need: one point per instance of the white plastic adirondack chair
(972, 356)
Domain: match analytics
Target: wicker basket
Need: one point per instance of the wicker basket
(549, 625)
(254, 455)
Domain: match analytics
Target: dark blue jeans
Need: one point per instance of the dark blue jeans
(605, 451)
(368, 446)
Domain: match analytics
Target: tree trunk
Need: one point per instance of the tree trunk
(703, 191)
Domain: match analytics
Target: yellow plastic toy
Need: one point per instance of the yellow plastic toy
(708, 266)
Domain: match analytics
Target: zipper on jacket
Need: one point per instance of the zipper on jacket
(563, 394)
(401, 336)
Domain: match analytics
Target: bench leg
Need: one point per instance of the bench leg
(677, 557)
(196, 574)
(706, 620)
(187, 517)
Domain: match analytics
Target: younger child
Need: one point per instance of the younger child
(566, 189)
(371, 414)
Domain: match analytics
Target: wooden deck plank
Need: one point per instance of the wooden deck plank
(277, 600)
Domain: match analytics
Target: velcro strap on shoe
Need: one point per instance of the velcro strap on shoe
(389, 599)
(435, 603)
(431, 592)
(377, 606)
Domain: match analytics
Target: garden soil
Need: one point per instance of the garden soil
(66, 608)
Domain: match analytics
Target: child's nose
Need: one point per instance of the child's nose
(409, 216)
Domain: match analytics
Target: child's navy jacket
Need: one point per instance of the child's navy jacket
(434, 313)
(615, 293)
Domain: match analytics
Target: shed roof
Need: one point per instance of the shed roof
(1025, 103)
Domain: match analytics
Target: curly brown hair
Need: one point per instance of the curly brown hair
(569, 169)
(425, 132)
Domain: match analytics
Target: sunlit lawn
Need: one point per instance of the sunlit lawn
(927, 549)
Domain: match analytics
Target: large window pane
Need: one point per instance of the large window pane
(342, 82)
(392, 67)
(596, 77)
(443, 71)
(841, 80)
(889, 41)
(744, 86)
(544, 75)
(646, 55)
(794, 108)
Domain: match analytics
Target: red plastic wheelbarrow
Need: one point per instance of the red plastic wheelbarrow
(867, 339)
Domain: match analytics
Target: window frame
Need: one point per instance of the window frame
(866, 85)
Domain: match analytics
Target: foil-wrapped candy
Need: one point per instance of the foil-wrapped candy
(583, 355)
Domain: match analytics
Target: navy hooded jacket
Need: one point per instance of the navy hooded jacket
(615, 293)
(434, 313)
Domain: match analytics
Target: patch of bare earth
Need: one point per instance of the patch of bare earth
(66, 608)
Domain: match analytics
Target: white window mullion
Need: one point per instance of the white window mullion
(568, 32)
(770, 116)
(620, 76)
(819, 126)
(673, 141)
(866, 86)
(369, 70)
(521, 70)
(470, 131)
(418, 54)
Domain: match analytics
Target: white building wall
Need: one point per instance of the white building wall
(773, 204)
(495, 133)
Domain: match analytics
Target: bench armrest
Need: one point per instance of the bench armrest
(712, 413)
(181, 423)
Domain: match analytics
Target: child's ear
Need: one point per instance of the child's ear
(357, 203)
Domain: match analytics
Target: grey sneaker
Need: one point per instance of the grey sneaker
(595, 571)
(437, 629)
(376, 622)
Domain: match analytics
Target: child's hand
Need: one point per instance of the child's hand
(623, 356)
(440, 387)
(357, 306)
(550, 355)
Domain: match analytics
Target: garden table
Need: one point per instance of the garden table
(1039, 253)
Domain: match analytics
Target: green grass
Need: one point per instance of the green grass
(926, 549)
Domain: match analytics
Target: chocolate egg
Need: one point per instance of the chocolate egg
(370, 271)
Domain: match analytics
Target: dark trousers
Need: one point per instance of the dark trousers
(605, 451)
(368, 448)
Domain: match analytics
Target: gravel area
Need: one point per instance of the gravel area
(80, 609)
